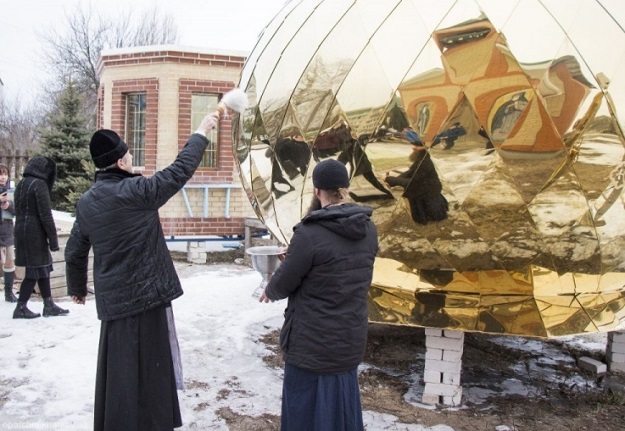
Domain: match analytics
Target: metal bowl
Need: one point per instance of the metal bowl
(265, 259)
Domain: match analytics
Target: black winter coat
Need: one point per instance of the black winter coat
(420, 180)
(35, 231)
(326, 275)
(118, 216)
(423, 189)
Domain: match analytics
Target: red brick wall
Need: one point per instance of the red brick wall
(203, 226)
(172, 56)
(149, 86)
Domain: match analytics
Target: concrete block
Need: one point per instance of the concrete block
(617, 347)
(441, 389)
(444, 343)
(616, 357)
(196, 257)
(443, 367)
(430, 399)
(452, 356)
(433, 332)
(455, 400)
(432, 377)
(451, 379)
(434, 354)
(616, 342)
(592, 365)
(454, 334)
(617, 337)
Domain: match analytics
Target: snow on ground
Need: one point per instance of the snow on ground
(47, 365)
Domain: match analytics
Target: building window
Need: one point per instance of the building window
(202, 104)
(135, 127)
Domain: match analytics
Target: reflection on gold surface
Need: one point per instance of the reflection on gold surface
(492, 154)
(537, 303)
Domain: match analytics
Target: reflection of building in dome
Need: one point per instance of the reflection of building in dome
(535, 226)
(499, 90)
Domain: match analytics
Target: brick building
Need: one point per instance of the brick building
(155, 97)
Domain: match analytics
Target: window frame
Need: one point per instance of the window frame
(138, 129)
(210, 158)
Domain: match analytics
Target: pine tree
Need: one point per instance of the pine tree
(66, 141)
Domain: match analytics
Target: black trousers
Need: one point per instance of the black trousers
(135, 382)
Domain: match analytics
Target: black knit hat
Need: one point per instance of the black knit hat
(106, 148)
(330, 175)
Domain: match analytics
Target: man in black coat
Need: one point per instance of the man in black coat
(326, 276)
(421, 185)
(134, 281)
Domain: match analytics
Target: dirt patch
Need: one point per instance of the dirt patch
(237, 422)
(559, 396)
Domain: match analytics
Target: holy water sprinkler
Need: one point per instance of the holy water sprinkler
(235, 99)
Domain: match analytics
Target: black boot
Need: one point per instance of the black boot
(22, 312)
(9, 277)
(51, 309)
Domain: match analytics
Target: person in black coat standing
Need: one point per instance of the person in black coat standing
(326, 275)
(35, 235)
(135, 280)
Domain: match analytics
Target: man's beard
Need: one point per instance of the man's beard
(315, 204)
(416, 155)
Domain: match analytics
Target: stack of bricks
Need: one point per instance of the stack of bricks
(616, 351)
(196, 252)
(443, 366)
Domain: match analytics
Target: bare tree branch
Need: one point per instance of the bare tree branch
(18, 128)
(73, 53)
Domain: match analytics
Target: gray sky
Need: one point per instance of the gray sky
(230, 24)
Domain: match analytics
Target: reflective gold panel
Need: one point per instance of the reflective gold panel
(486, 135)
